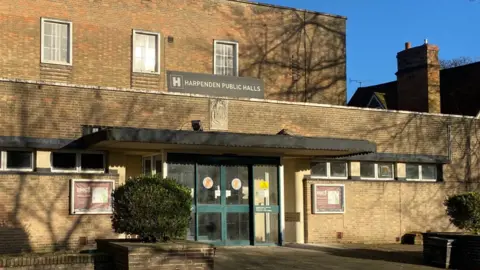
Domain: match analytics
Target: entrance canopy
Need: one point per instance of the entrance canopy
(226, 142)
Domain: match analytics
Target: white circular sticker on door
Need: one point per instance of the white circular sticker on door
(207, 182)
(236, 184)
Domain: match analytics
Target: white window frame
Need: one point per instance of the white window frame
(376, 172)
(328, 176)
(420, 175)
(153, 163)
(4, 161)
(78, 162)
(158, 36)
(236, 60)
(70, 41)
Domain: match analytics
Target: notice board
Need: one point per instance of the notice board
(91, 196)
(328, 199)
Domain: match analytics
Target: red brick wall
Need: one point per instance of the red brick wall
(102, 43)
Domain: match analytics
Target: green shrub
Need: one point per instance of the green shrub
(464, 211)
(152, 208)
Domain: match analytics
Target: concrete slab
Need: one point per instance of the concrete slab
(321, 257)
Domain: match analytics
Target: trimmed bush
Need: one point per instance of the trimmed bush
(464, 211)
(152, 208)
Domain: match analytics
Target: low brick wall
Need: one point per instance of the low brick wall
(128, 254)
(57, 262)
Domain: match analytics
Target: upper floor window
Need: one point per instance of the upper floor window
(377, 171)
(226, 58)
(56, 39)
(422, 172)
(146, 53)
(333, 169)
(16, 160)
(78, 162)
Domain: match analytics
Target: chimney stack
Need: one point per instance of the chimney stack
(418, 78)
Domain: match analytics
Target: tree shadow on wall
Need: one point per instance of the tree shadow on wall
(14, 236)
(300, 56)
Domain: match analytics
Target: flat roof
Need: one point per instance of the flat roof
(289, 8)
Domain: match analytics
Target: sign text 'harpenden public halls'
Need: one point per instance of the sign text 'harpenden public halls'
(215, 85)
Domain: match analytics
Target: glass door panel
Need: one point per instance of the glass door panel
(209, 185)
(237, 185)
(238, 227)
(266, 222)
(210, 227)
(266, 228)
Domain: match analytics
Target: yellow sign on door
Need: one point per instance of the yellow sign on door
(264, 185)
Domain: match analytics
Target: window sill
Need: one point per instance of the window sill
(152, 73)
(421, 180)
(329, 178)
(57, 63)
(48, 172)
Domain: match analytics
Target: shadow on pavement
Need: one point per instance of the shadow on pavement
(400, 255)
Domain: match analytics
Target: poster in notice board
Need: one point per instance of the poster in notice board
(91, 196)
(328, 199)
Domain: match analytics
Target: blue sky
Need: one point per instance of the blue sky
(378, 29)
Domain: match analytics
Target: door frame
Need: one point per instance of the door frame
(222, 161)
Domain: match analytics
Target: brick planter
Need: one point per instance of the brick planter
(465, 249)
(131, 254)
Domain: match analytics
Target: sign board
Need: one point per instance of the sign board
(264, 209)
(292, 217)
(91, 196)
(215, 85)
(328, 199)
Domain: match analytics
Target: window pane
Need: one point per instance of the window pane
(48, 28)
(92, 162)
(367, 170)
(147, 166)
(19, 160)
(338, 169)
(385, 170)
(65, 161)
(183, 173)
(429, 172)
(158, 165)
(319, 169)
(56, 42)
(412, 171)
(146, 52)
(225, 58)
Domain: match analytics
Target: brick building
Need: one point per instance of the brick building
(423, 86)
(240, 101)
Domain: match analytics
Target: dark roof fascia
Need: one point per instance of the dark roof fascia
(223, 139)
(33, 143)
(390, 157)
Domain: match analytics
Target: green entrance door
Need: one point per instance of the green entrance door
(223, 204)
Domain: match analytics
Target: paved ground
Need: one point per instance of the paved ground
(319, 257)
